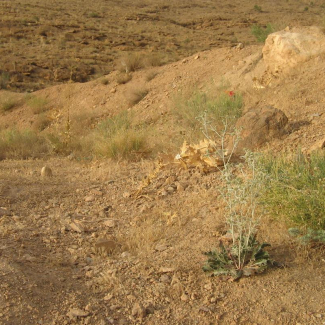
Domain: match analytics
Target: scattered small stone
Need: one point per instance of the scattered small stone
(4, 212)
(46, 172)
(76, 226)
(108, 297)
(89, 198)
(126, 195)
(111, 223)
(97, 192)
(165, 279)
(166, 270)
(29, 258)
(113, 90)
(205, 309)
(77, 313)
(184, 297)
(125, 255)
(106, 245)
(170, 189)
(180, 187)
(197, 57)
(161, 247)
(239, 46)
(138, 311)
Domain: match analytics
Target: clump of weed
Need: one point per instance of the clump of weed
(123, 78)
(131, 62)
(104, 81)
(151, 75)
(154, 60)
(16, 144)
(295, 190)
(227, 105)
(136, 95)
(261, 33)
(4, 80)
(94, 15)
(117, 138)
(258, 8)
(42, 122)
(239, 252)
(8, 103)
(37, 104)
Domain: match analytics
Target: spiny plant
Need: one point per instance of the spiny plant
(242, 255)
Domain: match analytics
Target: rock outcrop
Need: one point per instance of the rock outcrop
(285, 49)
(258, 126)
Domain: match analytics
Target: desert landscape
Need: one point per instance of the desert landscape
(123, 126)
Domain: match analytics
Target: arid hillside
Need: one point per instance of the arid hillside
(105, 212)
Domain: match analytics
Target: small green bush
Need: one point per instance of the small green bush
(38, 104)
(261, 33)
(295, 190)
(224, 106)
(8, 104)
(258, 8)
(117, 138)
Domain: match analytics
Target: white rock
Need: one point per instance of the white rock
(46, 172)
(287, 48)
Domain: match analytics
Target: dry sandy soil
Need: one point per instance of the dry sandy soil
(79, 247)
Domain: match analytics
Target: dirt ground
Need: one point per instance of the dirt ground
(48, 42)
(80, 247)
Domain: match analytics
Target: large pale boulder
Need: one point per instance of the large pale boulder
(285, 49)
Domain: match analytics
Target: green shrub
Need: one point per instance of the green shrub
(258, 8)
(37, 104)
(16, 144)
(224, 106)
(295, 189)
(240, 254)
(8, 104)
(117, 138)
(261, 33)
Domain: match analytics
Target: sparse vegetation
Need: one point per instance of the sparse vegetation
(261, 33)
(8, 103)
(42, 122)
(37, 104)
(123, 78)
(117, 138)
(154, 60)
(258, 8)
(295, 189)
(131, 62)
(136, 95)
(16, 144)
(104, 81)
(240, 254)
(4, 79)
(151, 75)
(227, 105)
